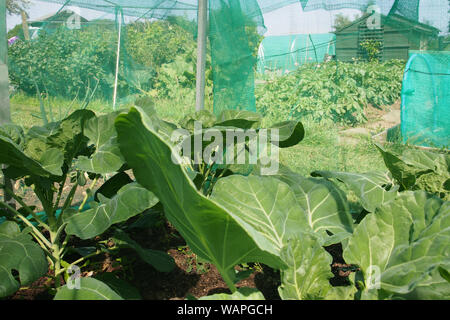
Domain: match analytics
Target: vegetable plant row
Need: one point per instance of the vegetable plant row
(336, 90)
(395, 237)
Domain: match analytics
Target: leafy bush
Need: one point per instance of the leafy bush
(335, 90)
(179, 76)
(371, 49)
(79, 63)
(66, 63)
(153, 44)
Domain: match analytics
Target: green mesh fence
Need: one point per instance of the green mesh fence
(234, 37)
(83, 59)
(426, 99)
(287, 53)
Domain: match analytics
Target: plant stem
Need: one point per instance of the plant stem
(86, 198)
(28, 223)
(68, 202)
(79, 261)
(229, 282)
(61, 189)
(63, 246)
(54, 236)
(28, 209)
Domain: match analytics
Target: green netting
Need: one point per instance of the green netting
(426, 100)
(234, 37)
(156, 54)
(287, 53)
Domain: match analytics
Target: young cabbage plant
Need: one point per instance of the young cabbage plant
(420, 170)
(401, 246)
(246, 218)
(232, 143)
(55, 161)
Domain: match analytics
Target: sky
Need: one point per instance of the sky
(284, 21)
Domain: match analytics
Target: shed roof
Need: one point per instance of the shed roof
(57, 17)
(395, 20)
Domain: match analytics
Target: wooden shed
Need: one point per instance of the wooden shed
(397, 35)
(65, 18)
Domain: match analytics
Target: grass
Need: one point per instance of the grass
(321, 149)
(25, 109)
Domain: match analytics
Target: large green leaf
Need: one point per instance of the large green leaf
(13, 132)
(209, 229)
(342, 293)
(130, 201)
(309, 271)
(18, 252)
(90, 289)
(14, 156)
(420, 170)
(239, 119)
(110, 188)
(404, 174)
(291, 133)
(68, 135)
(52, 160)
(158, 259)
(205, 117)
(265, 206)
(325, 206)
(434, 287)
(121, 287)
(370, 188)
(46, 148)
(102, 134)
(9, 229)
(402, 242)
(241, 295)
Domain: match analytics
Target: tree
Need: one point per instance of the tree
(341, 21)
(19, 7)
(17, 31)
(16, 6)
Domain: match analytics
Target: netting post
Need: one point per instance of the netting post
(119, 16)
(201, 54)
(5, 113)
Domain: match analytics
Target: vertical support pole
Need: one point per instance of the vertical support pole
(119, 16)
(201, 54)
(307, 47)
(5, 113)
(314, 47)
